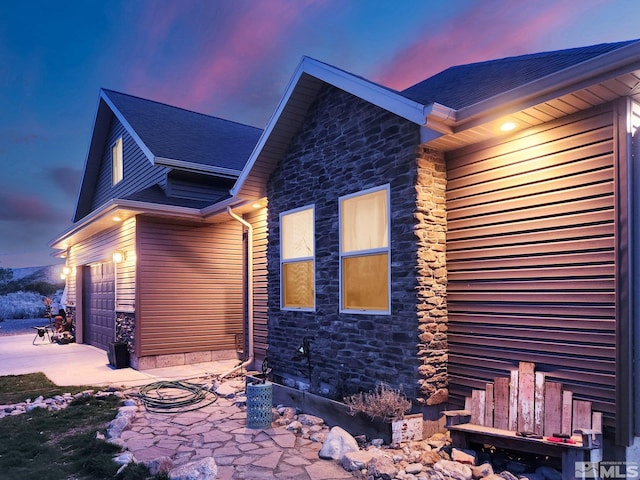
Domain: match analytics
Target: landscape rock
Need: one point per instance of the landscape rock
(124, 458)
(468, 458)
(358, 460)
(429, 457)
(310, 420)
(414, 468)
(338, 443)
(203, 469)
(117, 426)
(481, 471)
(506, 475)
(160, 464)
(455, 470)
(382, 467)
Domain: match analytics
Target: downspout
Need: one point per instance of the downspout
(249, 360)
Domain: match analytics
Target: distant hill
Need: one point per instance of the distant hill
(22, 295)
(48, 273)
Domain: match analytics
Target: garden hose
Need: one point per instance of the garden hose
(175, 397)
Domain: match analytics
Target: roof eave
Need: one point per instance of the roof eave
(132, 208)
(551, 86)
(371, 92)
(130, 130)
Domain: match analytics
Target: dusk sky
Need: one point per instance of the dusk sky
(231, 59)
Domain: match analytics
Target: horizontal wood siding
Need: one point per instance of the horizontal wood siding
(139, 173)
(190, 289)
(634, 339)
(258, 219)
(99, 249)
(531, 251)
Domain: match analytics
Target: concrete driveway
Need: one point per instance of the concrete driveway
(78, 364)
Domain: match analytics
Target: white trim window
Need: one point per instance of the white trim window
(297, 259)
(117, 167)
(365, 255)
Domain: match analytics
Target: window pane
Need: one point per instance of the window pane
(364, 280)
(297, 234)
(364, 222)
(116, 161)
(297, 284)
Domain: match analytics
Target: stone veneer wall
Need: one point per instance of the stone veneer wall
(126, 329)
(431, 230)
(345, 146)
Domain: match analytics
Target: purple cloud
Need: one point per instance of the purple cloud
(29, 208)
(67, 179)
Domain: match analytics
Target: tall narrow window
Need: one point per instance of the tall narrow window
(116, 161)
(364, 251)
(297, 259)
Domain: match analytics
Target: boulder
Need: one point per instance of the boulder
(338, 443)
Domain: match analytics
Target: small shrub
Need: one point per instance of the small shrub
(384, 403)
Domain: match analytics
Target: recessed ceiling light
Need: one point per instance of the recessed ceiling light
(507, 126)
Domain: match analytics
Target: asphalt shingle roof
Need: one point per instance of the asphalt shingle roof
(155, 194)
(460, 86)
(178, 134)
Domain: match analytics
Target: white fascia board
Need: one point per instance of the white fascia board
(556, 84)
(220, 207)
(375, 94)
(129, 205)
(196, 167)
(371, 92)
(268, 129)
(128, 127)
(83, 222)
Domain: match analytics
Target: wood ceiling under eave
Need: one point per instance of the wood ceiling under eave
(583, 99)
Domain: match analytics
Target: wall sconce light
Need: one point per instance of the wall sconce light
(63, 276)
(66, 271)
(119, 257)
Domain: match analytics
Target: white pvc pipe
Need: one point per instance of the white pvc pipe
(249, 360)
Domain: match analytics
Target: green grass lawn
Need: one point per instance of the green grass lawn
(45, 445)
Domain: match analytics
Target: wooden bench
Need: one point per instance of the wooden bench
(527, 402)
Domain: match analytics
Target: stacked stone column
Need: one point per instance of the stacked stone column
(431, 228)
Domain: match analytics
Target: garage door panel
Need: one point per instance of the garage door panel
(100, 298)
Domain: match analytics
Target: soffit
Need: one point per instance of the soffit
(540, 110)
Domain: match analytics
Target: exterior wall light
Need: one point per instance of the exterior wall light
(66, 271)
(118, 257)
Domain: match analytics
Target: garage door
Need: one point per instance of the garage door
(99, 294)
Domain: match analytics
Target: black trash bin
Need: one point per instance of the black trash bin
(118, 354)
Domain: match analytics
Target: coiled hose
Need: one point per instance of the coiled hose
(175, 397)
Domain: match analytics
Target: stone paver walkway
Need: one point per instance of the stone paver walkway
(219, 431)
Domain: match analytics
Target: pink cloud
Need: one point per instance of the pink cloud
(488, 30)
(232, 47)
(20, 207)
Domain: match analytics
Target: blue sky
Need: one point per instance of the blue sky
(228, 58)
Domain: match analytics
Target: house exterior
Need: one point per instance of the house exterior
(412, 241)
(399, 237)
(147, 264)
